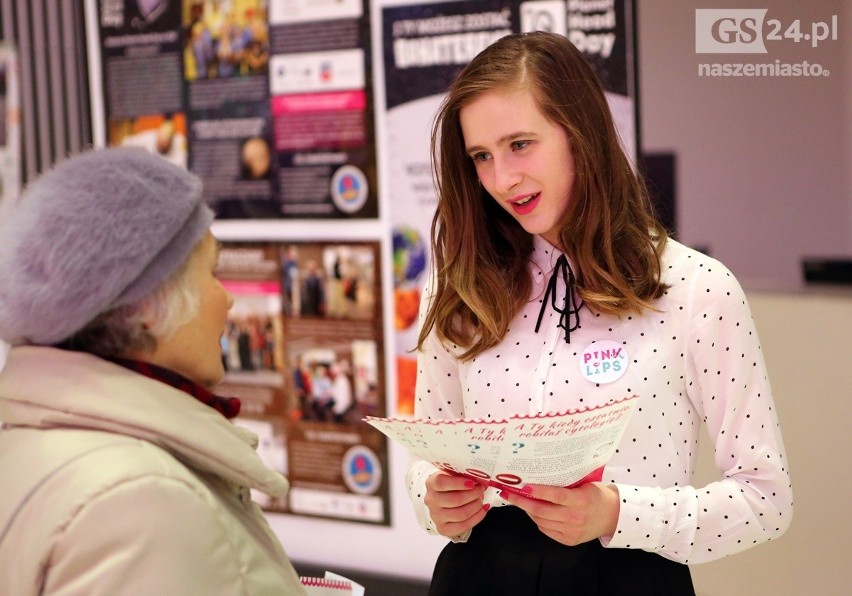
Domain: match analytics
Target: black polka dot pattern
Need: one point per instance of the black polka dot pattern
(696, 360)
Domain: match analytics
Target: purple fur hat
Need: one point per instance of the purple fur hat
(100, 230)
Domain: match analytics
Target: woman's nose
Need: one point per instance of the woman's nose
(506, 176)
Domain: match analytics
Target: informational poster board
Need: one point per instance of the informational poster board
(269, 101)
(303, 350)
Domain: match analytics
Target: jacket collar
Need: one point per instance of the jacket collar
(47, 387)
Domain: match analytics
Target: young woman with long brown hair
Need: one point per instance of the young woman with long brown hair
(545, 248)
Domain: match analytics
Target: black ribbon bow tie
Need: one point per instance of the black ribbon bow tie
(570, 304)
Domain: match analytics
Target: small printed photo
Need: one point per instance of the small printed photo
(252, 342)
(351, 274)
(255, 159)
(225, 39)
(160, 134)
(335, 384)
(334, 281)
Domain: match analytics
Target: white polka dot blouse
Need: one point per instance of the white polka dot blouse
(696, 359)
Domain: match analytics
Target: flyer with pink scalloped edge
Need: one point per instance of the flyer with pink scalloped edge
(556, 449)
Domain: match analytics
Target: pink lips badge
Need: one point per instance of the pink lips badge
(604, 361)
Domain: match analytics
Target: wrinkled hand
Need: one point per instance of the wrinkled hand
(454, 502)
(570, 516)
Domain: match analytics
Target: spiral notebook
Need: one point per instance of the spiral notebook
(331, 585)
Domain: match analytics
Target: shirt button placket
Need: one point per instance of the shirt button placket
(541, 401)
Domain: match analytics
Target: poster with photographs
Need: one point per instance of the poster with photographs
(303, 350)
(270, 102)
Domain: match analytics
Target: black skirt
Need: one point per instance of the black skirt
(507, 554)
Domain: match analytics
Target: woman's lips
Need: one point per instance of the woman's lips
(525, 204)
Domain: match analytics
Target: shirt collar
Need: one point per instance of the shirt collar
(552, 268)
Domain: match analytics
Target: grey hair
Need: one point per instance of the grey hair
(136, 327)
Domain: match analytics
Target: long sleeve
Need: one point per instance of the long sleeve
(437, 395)
(727, 382)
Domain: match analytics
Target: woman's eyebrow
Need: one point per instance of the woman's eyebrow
(504, 139)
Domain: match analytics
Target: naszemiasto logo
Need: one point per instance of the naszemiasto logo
(747, 31)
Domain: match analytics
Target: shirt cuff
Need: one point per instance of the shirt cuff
(642, 521)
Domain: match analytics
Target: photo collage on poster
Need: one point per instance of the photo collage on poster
(303, 351)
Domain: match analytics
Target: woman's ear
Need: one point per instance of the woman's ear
(147, 317)
(149, 344)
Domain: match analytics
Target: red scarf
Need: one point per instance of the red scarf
(229, 407)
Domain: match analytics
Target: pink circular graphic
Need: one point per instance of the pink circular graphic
(510, 479)
(478, 473)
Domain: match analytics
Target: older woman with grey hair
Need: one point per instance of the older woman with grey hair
(122, 472)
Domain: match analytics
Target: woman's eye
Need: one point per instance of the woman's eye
(518, 145)
(479, 157)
